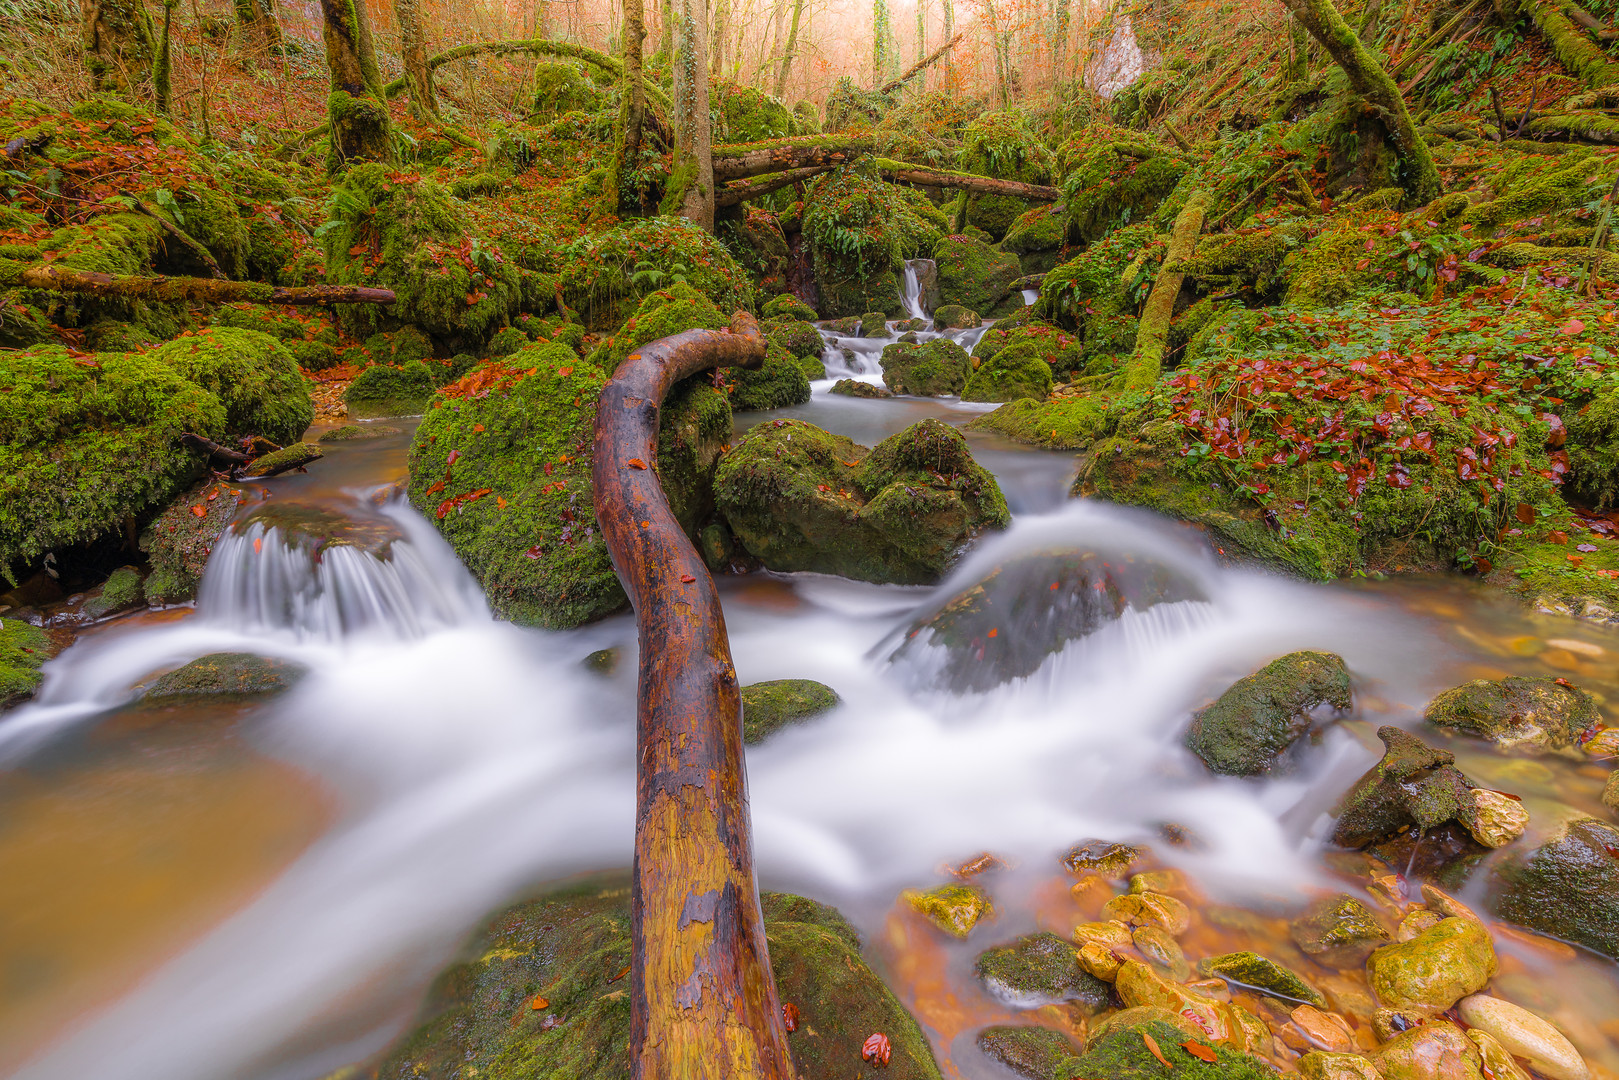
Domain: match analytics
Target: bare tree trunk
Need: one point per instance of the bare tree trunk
(1368, 79)
(692, 179)
(702, 1000)
(118, 48)
(356, 108)
(413, 47)
(787, 54)
(722, 11)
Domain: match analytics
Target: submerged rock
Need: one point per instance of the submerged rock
(800, 498)
(1261, 715)
(1567, 887)
(225, 675)
(1516, 713)
(1032, 1052)
(542, 996)
(1040, 969)
(767, 707)
(856, 388)
(1111, 860)
(1009, 623)
(317, 528)
(1435, 969)
(1149, 909)
(937, 368)
(1436, 1051)
(1414, 785)
(955, 909)
(1251, 969)
(1339, 932)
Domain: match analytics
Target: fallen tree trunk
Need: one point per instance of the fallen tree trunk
(738, 161)
(175, 290)
(739, 193)
(899, 172)
(702, 1000)
(922, 65)
(1142, 372)
(1581, 56)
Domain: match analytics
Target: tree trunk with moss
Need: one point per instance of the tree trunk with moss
(1059, 40)
(163, 67)
(716, 54)
(1298, 54)
(1368, 79)
(118, 47)
(356, 109)
(787, 53)
(881, 42)
(628, 192)
(1147, 363)
(949, 15)
(1583, 58)
(413, 51)
(260, 29)
(691, 182)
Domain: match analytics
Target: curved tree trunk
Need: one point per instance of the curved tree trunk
(702, 1001)
(356, 108)
(413, 51)
(118, 47)
(1368, 79)
(691, 181)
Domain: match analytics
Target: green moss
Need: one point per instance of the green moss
(1593, 452)
(1016, 372)
(226, 675)
(179, 540)
(384, 390)
(506, 342)
(1033, 1052)
(1039, 969)
(293, 456)
(1261, 715)
(749, 115)
(121, 591)
(1003, 146)
(956, 317)
(1261, 973)
(1516, 712)
(660, 314)
(781, 381)
(605, 276)
(786, 305)
(759, 245)
(801, 339)
(23, 650)
(855, 230)
(403, 346)
(767, 707)
(1122, 1054)
(252, 374)
(561, 88)
(976, 276)
(357, 432)
(938, 367)
(1567, 887)
(1066, 424)
(1340, 931)
(1413, 786)
(955, 909)
(1118, 179)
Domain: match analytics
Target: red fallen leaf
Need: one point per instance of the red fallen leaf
(851, 464)
(620, 975)
(564, 371)
(876, 1050)
(1557, 536)
(636, 463)
(1199, 1051)
(1585, 547)
(477, 427)
(538, 1003)
(822, 487)
(789, 1016)
(500, 501)
(199, 511)
(1573, 326)
(687, 579)
(993, 631)
(1152, 1046)
(214, 494)
(1524, 513)
(453, 455)
(1483, 565)
(533, 552)
(1576, 560)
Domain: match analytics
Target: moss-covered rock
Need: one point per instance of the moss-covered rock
(286, 459)
(606, 276)
(179, 540)
(935, 368)
(1339, 931)
(955, 908)
(1435, 1049)
(767, 707)
(1262, 973)
(787, 306)
(1435, 969)
(1032, 1052)
(1516, 713)
(383, 390)
(1072, 423)
(122, 591)
(1004, 146)
(1119, 177)
(856, 388)
(1122, 1054)
(956, 317)
(660, 314)
(854, 225)
(1325, 1065)
(799, 498)
(1567, 887)
(1414, 785)
(23, 651)
(253, 376)
(801, 339)
(231, 675)
(357, 433)
(1036, 238)
(1013, 373)
(1261, 715)
(780, 381)
(977, 276)
(1039, 969)
(540, 998)
(561, 87)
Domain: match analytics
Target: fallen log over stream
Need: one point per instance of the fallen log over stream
(702, 999)
(174, 290)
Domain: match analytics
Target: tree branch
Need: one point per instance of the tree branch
(922, 65)
(739, 193)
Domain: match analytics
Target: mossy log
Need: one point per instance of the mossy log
(738, 161)
(174, 290)
(1596, 127)
(702, 1000)
(1581, 56)
(899, 172)
(1152, 336)
(740, 193)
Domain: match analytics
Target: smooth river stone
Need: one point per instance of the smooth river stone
(1526, 1035)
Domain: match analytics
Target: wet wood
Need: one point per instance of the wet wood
(178, 290)
(901, 173)
(738, 193)
(703, 1003)
(740, 161)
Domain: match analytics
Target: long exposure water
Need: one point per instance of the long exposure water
(330, 851)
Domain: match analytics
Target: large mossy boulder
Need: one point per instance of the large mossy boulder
(767, 707)
(935, 368)
(1413, 786)
(1435, 969)
(1255, 721)
(502, 464)
(1516, 713)
(800, 498)
(1035, 1053)
(1117, 176)
(977, 276)
(787, 306)
(383, 390)
(541, 996)
(853, 228)
(1009, 623)
(89, 443)
(1004, 146)
(1567, 887)
(1071, 423)
(1036, 238)
(23, 650)
(782, 380)
(606, 276)
(1013, 373)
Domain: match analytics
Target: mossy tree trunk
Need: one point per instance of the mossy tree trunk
(118, 47)
(921, 30)
(1298, 54)
(260, 28)
(413, 51)
(786, 66)
(356, 110)
(702, 999)
(163, 67)
(722, 13)
(1059, 40)
(1147, 363)
(1368, 79)
(628, 191)
(949, 14)
(882, 35)
(691, 181)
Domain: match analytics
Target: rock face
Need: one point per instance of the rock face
(767, 707)
(799, 498)
(937, 368)
(1261, 715)
(1032, 1052)
(225, 675)
(1567, 887)
(975, 275)
(1008, 624)
(1516, 713)
(541, 996)
(1414, 785)
(1040, 969)
(1339, 931)
(1435, 969)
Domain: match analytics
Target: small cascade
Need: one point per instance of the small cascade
(912, 295)
(1030, 296)
(273, 576)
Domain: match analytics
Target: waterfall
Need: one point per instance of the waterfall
(912, 296)
(1030, 296)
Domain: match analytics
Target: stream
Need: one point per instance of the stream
(223, 891)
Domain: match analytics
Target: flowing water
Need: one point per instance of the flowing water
(227, 891)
